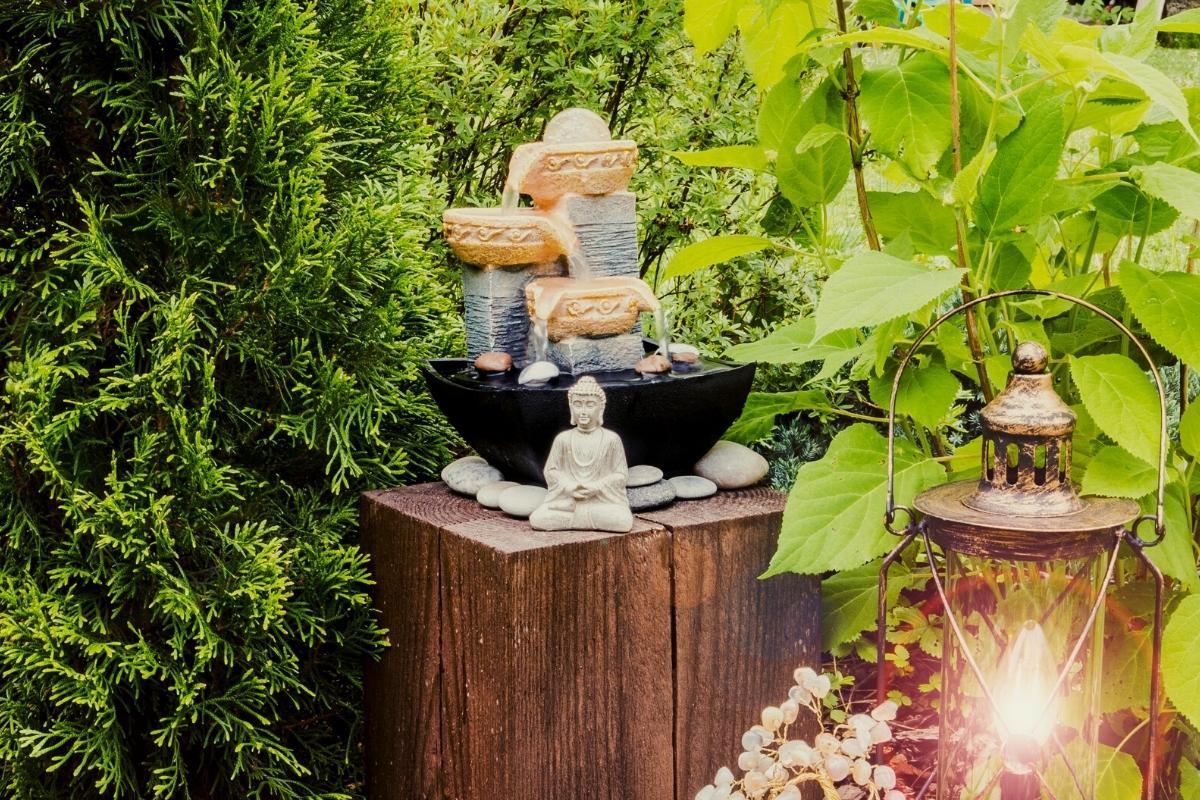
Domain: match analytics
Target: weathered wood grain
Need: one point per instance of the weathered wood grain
(737, 639)
(573, 664)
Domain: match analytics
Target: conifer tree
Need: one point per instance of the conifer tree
(214, 298)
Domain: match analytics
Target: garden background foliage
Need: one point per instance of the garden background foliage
(1020, 149)
(220, 269)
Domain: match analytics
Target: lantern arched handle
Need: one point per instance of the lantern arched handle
(1158, 517)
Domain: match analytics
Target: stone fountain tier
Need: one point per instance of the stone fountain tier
(589, 324)
(669, 421)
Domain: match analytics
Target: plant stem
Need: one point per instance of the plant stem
(959, 230)
(854, 131)
(1183, 369)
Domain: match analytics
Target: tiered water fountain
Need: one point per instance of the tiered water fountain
(551, 292)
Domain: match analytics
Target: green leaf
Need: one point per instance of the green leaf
(795, 344)
(834, 514)
(1130, 611)
(873, 287)
(923, 217)
(1175, 555)
(1189, 776)
(1184, 22)
(1120, 777)
(698, 255)
(916, 38)
(1181, 643)
(1125, 209)
(811, 174)
(746, 156)
(1043, 14)
(1022, 172)
(770, 37)
(1168, 306)
(708, 23)
(907, 108)
(758, 415)
(1178, 186)
(926, 393)
(1113, 472)
(1118, 395)
(1189, 430)
(848, 601)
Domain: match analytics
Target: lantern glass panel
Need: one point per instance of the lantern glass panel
(1035, 737)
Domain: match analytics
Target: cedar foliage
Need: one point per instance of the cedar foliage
(215, 298)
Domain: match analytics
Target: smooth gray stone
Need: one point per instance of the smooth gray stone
(732, 466)
(521, 501)
(692, 487)
(470, 474)
(643, 498)
(489, 495)
(643, 475)
(538, 372)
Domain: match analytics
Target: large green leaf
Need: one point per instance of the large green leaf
(746, 156)
(771, 36)
(907, 108)
(1181, 643)
(1189, 776)
(1118, 776)
(834, 514)
(926, 393)
(1130, 615)
(1184, 22)
(1120, 397)
(873, 287)
(708, 23)
(1168, 306)
(1178, 186)
(1189, 430)
(808, 173)
(1022, 172)
(1175, 555)
(699, 255)
(795, 344)
(1113, 472)
(848, 600)
(925, 219)
(758, 415)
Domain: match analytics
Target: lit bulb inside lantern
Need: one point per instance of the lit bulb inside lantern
(1026, 698)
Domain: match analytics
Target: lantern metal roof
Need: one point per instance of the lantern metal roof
(1024, 504)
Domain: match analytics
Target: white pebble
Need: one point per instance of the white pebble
(538, 372)
(790, 709)
(837, 767)
(884, 777)
(827, 743)
(885, 711)
(772, 718)
(861, 771)
(724, 777)
(751, 741)
(747, 761)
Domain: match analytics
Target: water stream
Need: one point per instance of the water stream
(660, 329)
(541, 339)
(577, 263)
(511, 199)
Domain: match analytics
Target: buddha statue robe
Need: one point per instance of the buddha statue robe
(585, 480)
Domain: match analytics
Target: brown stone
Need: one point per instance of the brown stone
(685, 357)
(494, 362)
(652, 365)
(493, 237)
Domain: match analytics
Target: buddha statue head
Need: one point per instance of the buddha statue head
(586, 400)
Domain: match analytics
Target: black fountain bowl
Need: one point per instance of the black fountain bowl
(669, 421)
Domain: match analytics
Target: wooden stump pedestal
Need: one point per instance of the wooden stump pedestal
(574, 665)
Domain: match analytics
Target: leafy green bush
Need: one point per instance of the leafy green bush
(214, 297)
(1034, 152)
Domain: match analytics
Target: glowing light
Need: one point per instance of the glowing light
(1025, 696)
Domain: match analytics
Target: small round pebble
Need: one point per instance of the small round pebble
(642, 498)
(653, 365)
(494, 362)
(643, 475)
(683, 353)
(538, 372)
(693, 487)
(732, 466)
(521, 501)
(489, 496)
(470, 474)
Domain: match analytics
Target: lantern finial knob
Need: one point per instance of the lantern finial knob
(1029, 358)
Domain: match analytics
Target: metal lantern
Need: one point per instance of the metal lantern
(1025, 565)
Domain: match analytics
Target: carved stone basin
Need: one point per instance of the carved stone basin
(547, 170)
(588, 306)
(492, 237)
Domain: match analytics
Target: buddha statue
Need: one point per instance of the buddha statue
(586, 470)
